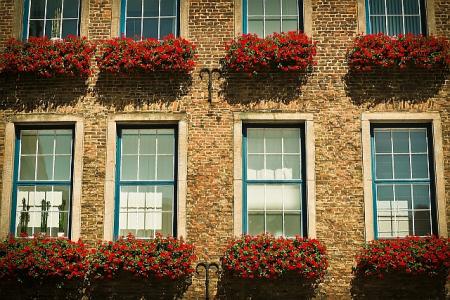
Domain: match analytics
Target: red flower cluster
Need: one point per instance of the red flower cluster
(287, 52)
(47, 58)
(411, 255)
(265, 256)
(41, 258)
(162, 257)
(403, 51)
(125, 55)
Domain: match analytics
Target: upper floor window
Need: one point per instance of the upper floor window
(274, 184)
(264, 17)
(395, 17)
(149, 18)
(42, 181)
(403, 183)
(51, 18)
(146, 182)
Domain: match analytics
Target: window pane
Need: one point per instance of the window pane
(134, 28)
(378, 24)
(383, 166)
(377, 7)
(422, 223)
(36, 28)
(70, 9)
(255, 141)
(166, 224)
(25, 201)
(69, 27)
(167, 27)
(27, 167)
(290, 7)
(418, 141)
(147, 167)
(255, 167)
(401, 141)
(411, 7)
(255, 223)
(167, 196)
(419, 166)
(394, 7)
(151, 8)
(130, 143)
(412, 25)
(256, 26)
(395, 25)
(37, 10)
(273, 140)
(291, 167)
(129, 167)
(274, 167)
(44, 167)
(383, 142)
(150, 28)
(165, 167)
(255, 7)
(273, 26)
(421, 194)
(290, 25)
(274, 223)
(291, 197)
(62, 167)
(291, 141)
(134, 8)
(61, 201)
(45, 143)
(255, 197)
(385, 193)
(403, 198)
(28, 142)
(54, 9)
(274, 197)
(147, 144)
(402, 168)
(292, 224)
(63, 144)
(168, 7)
(166, 144)
(273, 7)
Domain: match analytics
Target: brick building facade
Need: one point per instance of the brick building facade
(334, 107)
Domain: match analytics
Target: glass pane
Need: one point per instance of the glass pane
(147, 167)
(130, 143)
(43, 201)
(25, 201)
(44, 167)
(377, 7)
(292, 225)
(395, 25)
(291, 167)
(418, 141)
(45, 143)
(274, 197)
(36, 28)
(421, 194)
(274, 223)
(291, 197)
(412, 25)
(147, 144)
(62, 167)
(63, 144)
(255, 197)
(402, 224)
(27, 167)
(165, 167)
(151, 8)
(385, 193)
(167, 27)
(273, 26)
(54, 9)
(273, 167)
(383, 166)
(168, 7)
(255, 167)
(255, 223)
(255, 7)
(255, 141)
(378, 24)
(291, 141)
(273, 140)
(419, 165)
(422, 223)
(69, 27)
(273, 7)
(70, 9)
(383, 142)
(402, 168)
(289, 25)
(150, 28)
(166, 224)
(166, 192)
(256, 26)
(385, 227)
(290, 7)
(166, 144)
(403, 199)
(129, 167)
(134, 8)
(28, 143)
(37, 10)
(133, 28)
(394, 7)
(401, 141)
(53, 28)
(61, 201)
(411, 7)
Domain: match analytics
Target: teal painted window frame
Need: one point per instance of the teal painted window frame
(301, 17)
(423, 16)
(430, 181)
(119, 183)
(17, 183)
(301, 181)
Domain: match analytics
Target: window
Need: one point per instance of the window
(149, 18)
(395, 17)
(42, 181)
(274, 185)
(403, 184)
(264, 17)
(51, 18)
(145, 189)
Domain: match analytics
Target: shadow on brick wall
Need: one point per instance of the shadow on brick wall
(399, 286)
(242, 88)
(380, 85)
(29, 93)
(120, 90)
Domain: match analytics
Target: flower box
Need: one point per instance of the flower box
(47, 58)
(281, 52)
(125, 55)
(405, 51)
